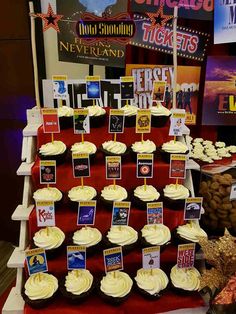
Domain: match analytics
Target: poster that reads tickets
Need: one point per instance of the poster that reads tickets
(151, 257)
(143, 121)
(47, 171)
(186, 255)
(197, 10)
(188, 78)
(36, 261)
(60, 88)
(45, 211)
(50, 120)
(178, 166)
(113, 167)
(113, 259)
(81, 165)
(177, 122)
(76, 257)
(144, 167)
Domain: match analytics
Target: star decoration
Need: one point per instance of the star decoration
(158, 19)
(50, 19)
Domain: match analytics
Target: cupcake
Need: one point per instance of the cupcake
(65, 115)
(130, 112)
(88, 237)
(97, 116)
(49, 194)
(84, 148)
(40, 290)
(174, 196)
(77, 286)
(114, 148)
(124, 236)
(113, 193)
(115, 287)
(50, 239)
(155, 234)
(55, 150)
(185, 279)
(151, 283)
(142, 147)
(172, 147)
(145, 194)
(160, 115)
(81, 193)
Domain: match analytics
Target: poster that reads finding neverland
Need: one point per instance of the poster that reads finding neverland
(198, 10)
(219, 103)
(188, 78)
(71, 48)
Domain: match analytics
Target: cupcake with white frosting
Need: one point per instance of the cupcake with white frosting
(40, 290)
(114, 148)
(81, 194)
(50, 194)
(65, 115)
(174, 196)
(77, 286)
(130, 112)
(142, 147)
(173, 147)
(113, 193)
(84, 148)
(97, 116)
(124, 236)
(155, 234)
(89, 237)
(226, 156)
(185, 279)
(145, 194)
(115, 287)
(160, 115)
(50, 239)
(151, 283)
(55, 150)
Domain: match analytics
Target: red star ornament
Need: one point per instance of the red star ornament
(158, 19)
(50, 19)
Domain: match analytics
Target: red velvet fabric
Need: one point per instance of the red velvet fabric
(66, 220)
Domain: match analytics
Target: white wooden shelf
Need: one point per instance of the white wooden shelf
(17, 259)
(22, 213)
(31, 130)
(14, 303)
(192, 165)
(24, 169)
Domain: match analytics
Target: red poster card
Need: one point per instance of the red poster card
(186, 255)
(178, 166)
(50, 121)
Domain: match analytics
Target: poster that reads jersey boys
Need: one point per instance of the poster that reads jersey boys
(198, 10)
(219, 103)
(188, 78)
(71, 48)
(224, 21)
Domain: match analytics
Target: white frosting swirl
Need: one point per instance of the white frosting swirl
(78, 281)
(130, 110)
(41, 286)
(156, 234)
(223, 152)
(114, 193)
(220, 144)
(96, 110)
(144, 147)
(206, 143)
(114, 147)
(160, 111)
(47, 194)
(185, 278)
(84, 148)
(82, 193)
(174, 147)
(49, 238)
(198, 140)
(232, 149)
(151, 281)
(191, 231)
(52, 148)
(176, 192)
(146, 193)
(87, 236)
(65, 111)
(122, 235)
(116, 284)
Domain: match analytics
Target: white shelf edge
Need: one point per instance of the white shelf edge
(22, 213)
(24, 169)
(17, 259)
(31, 130)
(192, 165)
(14, 303)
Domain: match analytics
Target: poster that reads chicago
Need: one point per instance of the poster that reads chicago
(187, 86)
(224, 21)
(188, 9)
(219, 103)
(71, 48)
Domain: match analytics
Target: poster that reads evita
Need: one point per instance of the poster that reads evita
(188, 78)
(72, 48)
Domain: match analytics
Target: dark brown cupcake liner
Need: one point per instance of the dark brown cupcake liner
(97, 121)
(166, 156)
(92, 157)
(109, 204)
(140, 204)
(130, 121)
(177, 240)
(173, 204)
(144, 243)
(148, 296)
(72, 298)
(159, 121)
(180, 291)
(58, 204)
(105, 153)
(60, 159)
(133, 155)
(66, 122)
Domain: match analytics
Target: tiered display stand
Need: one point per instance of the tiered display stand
(33, 137)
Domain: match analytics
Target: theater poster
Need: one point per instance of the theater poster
(188, 78)
(219, 104)
(73, 49)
